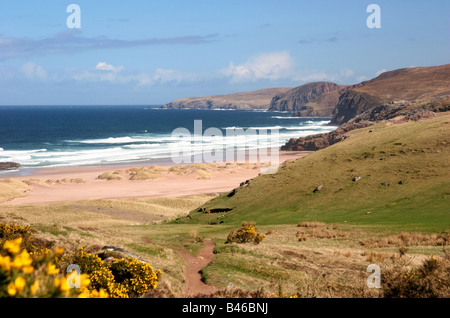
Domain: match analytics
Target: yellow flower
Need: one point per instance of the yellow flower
(21, 260)
(26, 259)
(59, 251)
(13, 246)
(11, 289)
(17, 263)
(84, 280)
(102, 293)
(27, 269)
(84, 294)
(51, 269)
(63, 287)
(20, 283)
(34, 287)
(5, 263)
(56, 282)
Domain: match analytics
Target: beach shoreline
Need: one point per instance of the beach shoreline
(68, 184)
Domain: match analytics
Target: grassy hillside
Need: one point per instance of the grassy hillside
(404, 183)
(259, 99)
(410, 83)
(413, 84)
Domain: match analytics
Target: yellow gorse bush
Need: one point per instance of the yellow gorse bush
(120, 278)
(40, 273)
(25, 275)
(245, 234)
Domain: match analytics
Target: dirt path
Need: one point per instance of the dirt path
(194, 285)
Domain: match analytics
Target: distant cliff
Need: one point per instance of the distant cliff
(259, 99)
(317, 99)
(400, 95)
(400, 87)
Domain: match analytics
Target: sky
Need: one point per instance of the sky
(152, 52)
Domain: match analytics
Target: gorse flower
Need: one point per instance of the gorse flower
(11, 289)
(120, 278)
(23, 274)
(19, 283)
(34, 287)
(51, 269)
(38, 272)
(245, 234)
(13, 246)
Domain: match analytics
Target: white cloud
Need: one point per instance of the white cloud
(33, 71)
(361, 78)
(272, 66)
(320, 76)
(169, 75)
(103, 66)
(379, 72)
(108, 73)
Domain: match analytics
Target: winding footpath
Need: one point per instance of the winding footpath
(194, 285)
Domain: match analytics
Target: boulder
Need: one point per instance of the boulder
(320, 141)
(319, 188)
(9, 165)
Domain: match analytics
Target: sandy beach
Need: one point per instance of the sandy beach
(118, 182)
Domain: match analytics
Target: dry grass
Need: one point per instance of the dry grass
(11, 189)
(203, 171)
(109, 176)
(430, 279)
(311, 224)
(145, 173)
(57, 181)
(318, 230)
(406, 239)
(375, 257)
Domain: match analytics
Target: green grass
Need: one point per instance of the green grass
(412, 158)
(155, 228)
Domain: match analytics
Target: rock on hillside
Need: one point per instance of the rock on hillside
(316, 99)
(320, 141)
(259, 99)
(353, 103)
(404, 110)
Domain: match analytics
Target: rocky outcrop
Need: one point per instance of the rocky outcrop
(320, 141)
(404, 110)
(416, 84)
(259, 99)
(353, 103)
(9, 165)
(316, 99)
(394, 111)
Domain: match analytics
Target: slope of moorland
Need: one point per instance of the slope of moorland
(393, 111)
(316, 99)
(416, 84)
(396, 175)
(259, 99)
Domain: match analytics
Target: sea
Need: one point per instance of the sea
(66, 136)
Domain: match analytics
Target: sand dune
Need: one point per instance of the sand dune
(82, 183)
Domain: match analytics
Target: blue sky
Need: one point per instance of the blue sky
(152, 52)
